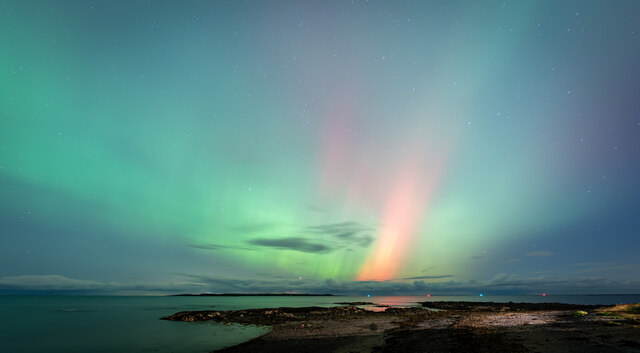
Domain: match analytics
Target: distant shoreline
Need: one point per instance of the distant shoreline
(251, 295)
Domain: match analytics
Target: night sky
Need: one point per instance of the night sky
(399, 147)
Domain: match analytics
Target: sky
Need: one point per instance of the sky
(347, 147)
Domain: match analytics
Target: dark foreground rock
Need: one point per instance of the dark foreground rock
(280, 316)
(501, 307)
(457, 327)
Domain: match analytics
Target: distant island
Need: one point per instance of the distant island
(251, 295)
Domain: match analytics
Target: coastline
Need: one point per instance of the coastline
(436, 327)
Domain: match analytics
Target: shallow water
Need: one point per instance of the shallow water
(132, 324)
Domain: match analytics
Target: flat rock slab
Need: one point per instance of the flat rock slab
(275, 316)
(457, 327)
(502, 307)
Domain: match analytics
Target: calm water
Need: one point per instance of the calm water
(131, 324)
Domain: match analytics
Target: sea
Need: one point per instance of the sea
(132, 324)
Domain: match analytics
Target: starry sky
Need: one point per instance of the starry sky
(332, 146)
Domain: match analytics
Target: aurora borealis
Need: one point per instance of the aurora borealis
(156, 146)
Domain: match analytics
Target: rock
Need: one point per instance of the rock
(497, 307)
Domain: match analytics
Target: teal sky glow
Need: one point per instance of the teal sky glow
(334, 146)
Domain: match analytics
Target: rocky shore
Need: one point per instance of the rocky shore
(437, 327)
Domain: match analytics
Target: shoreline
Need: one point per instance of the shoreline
(436, 327)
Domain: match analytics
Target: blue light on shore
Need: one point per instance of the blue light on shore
(368, 295)
(482, 295)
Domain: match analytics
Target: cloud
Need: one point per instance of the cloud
(321, 238)
(54, 283)
(350, 232)
(292, 243)
(343, 227)
(211, 246)
(540, 253)
(430, 277)
(502, 283)
(364, 241)
(51, 282)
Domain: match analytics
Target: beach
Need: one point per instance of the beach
(436, 327)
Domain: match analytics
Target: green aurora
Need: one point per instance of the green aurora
(153, 147)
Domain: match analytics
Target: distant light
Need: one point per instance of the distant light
(368, 295)
(428, 295)
(481, 294)
(544, 294)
